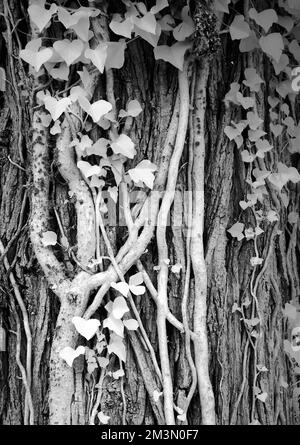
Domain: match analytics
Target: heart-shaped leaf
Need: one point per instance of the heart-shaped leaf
(97, 56)
(114, 324)
(36, 58)
(69, 50)
(41, 16)
(262, 396)
(143, 173)
(87, 169)
(56, 107)
(121, 287)
(272, 45)
(95, 110)
(86, 328)
(119, 307)
(173, 54)
(115, 54)
(117, 347)
(160, 4)
(133, 109)
(239, 28)
(265, 19)
(124, 28)
(131, 324)
(236, 231)
(124, 145)
(69, 354)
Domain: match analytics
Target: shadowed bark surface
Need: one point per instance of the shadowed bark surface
(154, 84)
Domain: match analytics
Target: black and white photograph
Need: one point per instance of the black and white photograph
(149, 216)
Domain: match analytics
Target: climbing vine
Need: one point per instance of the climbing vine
(95, 154)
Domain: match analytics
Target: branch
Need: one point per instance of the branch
(85, 213)
(197, 253)
(39, 218)
(162, 297)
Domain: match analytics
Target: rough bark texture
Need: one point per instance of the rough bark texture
(154, 85)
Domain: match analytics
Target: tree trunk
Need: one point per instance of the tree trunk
(227, 267)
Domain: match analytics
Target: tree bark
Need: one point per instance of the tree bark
(216, 283)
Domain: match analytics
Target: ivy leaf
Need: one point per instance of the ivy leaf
(96, 110)
(143, 172)
(286, 22)
(99, 148)
(136, 279)
(232, 93)
(236, 231)
(272, 45)
(117, 347)
(69, 354)
(147, 23)
(69, 50)
(255, 135)
(246, 102)
(249, 44)
(56, 107)
(239, 28)
(49, 238)
(41, 16)
(87, 169)
(78, 21)
(61, 72)
(114, 324)
(253, 80)
(35, 57)
(121, 287)
(124, 145)
(276, 129)
(281, 65)
(222, 5)
(284, 175)
(262, 396)
(247, 157)
(167, 23)
(173, 54)
(86, 328)
(119, 307)
(131, 324)
(263, 146)
(160, 4)
(103, 418)
(97, 56)
(265, 19)
(115, 54)
(254, 121)
(55, 129)
(133, 109)
(186, 27)
(124, 28)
